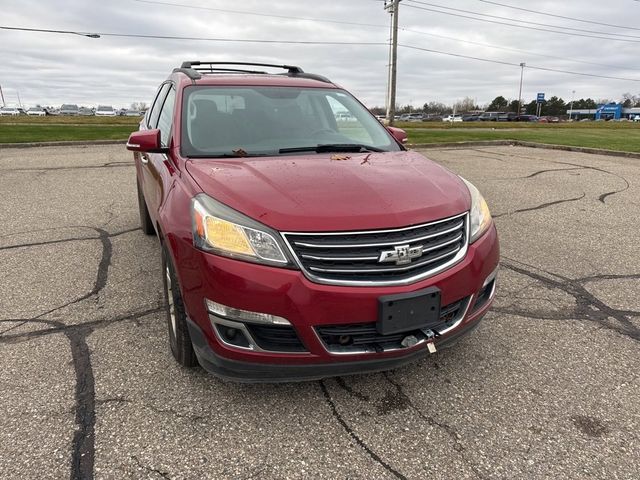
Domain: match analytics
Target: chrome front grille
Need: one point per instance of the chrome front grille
(381, 257)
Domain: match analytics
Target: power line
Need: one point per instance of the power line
(67, 32)
(206, 39)
(592, 22)
(518, 50)
(511, 64)
(302, 42)
(417, 32)
(524, 21)
(521, 26)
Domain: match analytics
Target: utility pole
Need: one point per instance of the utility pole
(392, 7)
(522, 65)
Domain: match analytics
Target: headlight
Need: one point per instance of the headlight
(480, 217)
(222, 230)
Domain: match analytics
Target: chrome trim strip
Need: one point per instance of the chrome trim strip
(339, 259)
(378, 283)
(381, 270)
(253, 345)
(382, 230)
(382, 244)
(460, 318)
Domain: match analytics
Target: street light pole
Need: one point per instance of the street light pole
(573, 93)
(522, 65)
(391, 107)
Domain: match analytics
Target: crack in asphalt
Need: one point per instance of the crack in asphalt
(101, 274)
(448, 429)
(601, 198)
(78, 167)
(150, 469)
(65, 240)
(541, 206)
(540, 172)
(83, 443)
(588, 306)
(63, 328)
(354, 435)
(351, 391)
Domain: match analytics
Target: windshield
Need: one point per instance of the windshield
(243, 121)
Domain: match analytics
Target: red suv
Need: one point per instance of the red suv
(300, 239)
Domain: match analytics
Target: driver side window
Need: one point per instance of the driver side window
(166, 117)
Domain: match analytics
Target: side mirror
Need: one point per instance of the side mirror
(146, 141)
(399, 134)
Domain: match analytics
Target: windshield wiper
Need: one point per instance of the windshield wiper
(333, 147)
(230, 155)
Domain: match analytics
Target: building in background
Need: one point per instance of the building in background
(609, 111)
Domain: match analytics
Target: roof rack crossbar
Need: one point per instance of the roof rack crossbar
(223, 70)
(290, 68)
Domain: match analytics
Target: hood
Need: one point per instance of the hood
(333, 192)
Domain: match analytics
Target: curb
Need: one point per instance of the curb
(62, 144)
(521, 143)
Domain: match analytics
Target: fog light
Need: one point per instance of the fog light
(244, 315)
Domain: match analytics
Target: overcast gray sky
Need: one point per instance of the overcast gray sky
(51, 69)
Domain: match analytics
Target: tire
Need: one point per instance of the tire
(179, 338)
(145, 219)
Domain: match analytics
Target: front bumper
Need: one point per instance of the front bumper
(249, 372)
(307, 305)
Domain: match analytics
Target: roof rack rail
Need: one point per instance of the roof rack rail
(311, 76)
(289, 68)
(195, 69)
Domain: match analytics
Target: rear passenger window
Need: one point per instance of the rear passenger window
(166, 118)
(157, 105)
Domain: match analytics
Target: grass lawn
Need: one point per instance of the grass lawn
(23, 133)
(624, 136)
(625, 139)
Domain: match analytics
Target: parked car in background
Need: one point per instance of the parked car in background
(36, 112)
(490, 116)
(452, 118)
(471, 117)
(415, 117)
(69, 109)
(549, 119)
(431, 117)
(277, 261)
(9, 111)
(507, 117)
(132, 113)
(105, 111)
(636, 118)
(525, 118)
(85, 112)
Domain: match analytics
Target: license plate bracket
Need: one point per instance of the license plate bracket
(405, 312)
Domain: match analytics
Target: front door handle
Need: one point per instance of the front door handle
(144, 158)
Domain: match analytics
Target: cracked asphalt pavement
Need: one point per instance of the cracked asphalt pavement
(547, 387)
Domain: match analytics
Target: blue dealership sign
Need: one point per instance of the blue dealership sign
(540, 98)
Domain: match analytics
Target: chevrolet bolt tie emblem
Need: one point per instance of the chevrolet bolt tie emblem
(401, 255)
